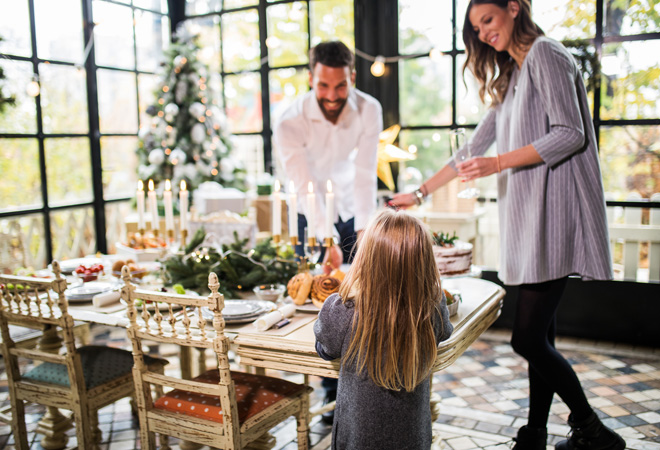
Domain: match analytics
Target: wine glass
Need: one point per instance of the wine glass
(313, 253)
(460, 150)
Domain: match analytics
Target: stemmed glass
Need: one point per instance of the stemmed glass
(460, 150)
(312, 249)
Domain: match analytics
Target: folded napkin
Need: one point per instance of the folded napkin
(106, 298)
(265, 322)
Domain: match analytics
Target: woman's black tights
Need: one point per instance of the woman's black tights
(533, 338)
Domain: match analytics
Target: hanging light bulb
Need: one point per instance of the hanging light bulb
(33, 87)
(378, 67)
(435, 54)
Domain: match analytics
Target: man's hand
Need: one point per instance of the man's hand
(332, 259)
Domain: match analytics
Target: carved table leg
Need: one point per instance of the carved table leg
(53, 425)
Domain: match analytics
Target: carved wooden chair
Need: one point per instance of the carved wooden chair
(219, 408)
(81, 379)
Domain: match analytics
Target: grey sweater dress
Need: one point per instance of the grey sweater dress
(369, 417)
(552, 214)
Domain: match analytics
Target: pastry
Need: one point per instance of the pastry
(338, 274)
(299, 287)
(322, 287)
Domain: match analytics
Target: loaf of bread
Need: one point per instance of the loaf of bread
(299, 287)
(322, 287)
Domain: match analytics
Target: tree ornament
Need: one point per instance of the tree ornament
(181, 91)
(177, 156)
(198, 133)
(171, 109)
(197, 109)
(156, 157)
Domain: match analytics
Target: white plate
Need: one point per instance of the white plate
(69, 265)
(162, 306)
(241, 310)
(85, 291)
(308, 307)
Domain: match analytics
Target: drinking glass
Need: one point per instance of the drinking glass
(460, 150)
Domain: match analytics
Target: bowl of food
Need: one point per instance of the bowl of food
(269, 292)
(137, 272)
(453, 299)
(88, 273)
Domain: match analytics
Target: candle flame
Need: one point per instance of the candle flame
(277, 185)
(140, 185)
(329, 186)
(291, 187)
(310, 187)
(168, 185)
(183, 185)
(151, 185)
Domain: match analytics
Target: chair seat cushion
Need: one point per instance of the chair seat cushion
(99, 365)
(254, 393)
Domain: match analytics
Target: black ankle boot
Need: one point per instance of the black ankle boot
(530, 438)
(591, 434)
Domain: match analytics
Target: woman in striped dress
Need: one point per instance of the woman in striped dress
(550, 197)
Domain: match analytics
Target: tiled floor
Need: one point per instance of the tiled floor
(484, 398)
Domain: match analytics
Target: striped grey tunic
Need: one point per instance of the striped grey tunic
(552, 214)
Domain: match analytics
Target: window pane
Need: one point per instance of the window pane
(229, 4)
(147, 85)
(73, 233)
(154, 5)
(566, 19)
(59, 34)
(287, 34)
(117, 101)
(425, 91)
(243, 96)
(20, 183)
(119, 161)
(151, 35)
(240, 37)
(432, 149)
(332, 19)
(250, 151)
(461, 7)
(469, 108)
(29, 246)
(208, 30)
(632, 17)
(194, 7)
(630, 84)
(113, 35)
(424, 25)
(629, 160)
(22, 117)
(68, 170)
(63, 99)
(15, 26)
(285, 86)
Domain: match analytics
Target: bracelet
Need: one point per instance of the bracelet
(497, 158)
(419, 196)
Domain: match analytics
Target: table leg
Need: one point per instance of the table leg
(53, 425)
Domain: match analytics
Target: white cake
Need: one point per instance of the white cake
(454, 259)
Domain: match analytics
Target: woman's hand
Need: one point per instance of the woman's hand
(477, 167)
(332, 259)
(403, 200)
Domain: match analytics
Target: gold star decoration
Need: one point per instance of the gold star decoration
(388, 153)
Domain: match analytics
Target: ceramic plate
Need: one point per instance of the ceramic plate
(85, 291)
(241, 310)
(69, 265)
(308, 307)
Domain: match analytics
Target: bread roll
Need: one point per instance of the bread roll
(299, 287)
(322, 287)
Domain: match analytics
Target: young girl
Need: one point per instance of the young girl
(385, 324)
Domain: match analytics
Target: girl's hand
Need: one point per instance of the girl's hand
(403, 200)
(477, 167)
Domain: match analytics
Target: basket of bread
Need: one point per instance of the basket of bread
(304, 286)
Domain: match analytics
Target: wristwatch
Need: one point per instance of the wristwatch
(419, 196)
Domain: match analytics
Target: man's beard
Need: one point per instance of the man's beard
(333, 114)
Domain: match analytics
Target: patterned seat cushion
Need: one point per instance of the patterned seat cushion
(99, 365)
(254, 393)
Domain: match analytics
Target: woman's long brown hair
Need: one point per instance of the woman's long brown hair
(395, 286)
(491, 68)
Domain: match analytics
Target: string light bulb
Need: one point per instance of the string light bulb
(378, 67)
(33, 88)
(435, 54)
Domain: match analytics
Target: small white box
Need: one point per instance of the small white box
(146, 255)
(213, 199)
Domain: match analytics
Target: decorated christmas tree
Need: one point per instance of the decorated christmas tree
(187, 137)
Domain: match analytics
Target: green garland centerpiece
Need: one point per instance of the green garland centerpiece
(238, 267)
(444, 239)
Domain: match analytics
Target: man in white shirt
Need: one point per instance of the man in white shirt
(331, 133)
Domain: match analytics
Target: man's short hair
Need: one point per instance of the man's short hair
(331, 54)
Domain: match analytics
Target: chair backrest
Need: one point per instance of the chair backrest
(38, 303)
(181, 320)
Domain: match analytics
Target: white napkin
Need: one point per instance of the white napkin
(265, 322)
(105, 298)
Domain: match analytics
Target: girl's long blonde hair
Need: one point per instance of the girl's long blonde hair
(491, 68)
(395, 286)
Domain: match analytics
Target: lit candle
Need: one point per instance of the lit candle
(167, 200)
(293, 211)
(329, 210)
(140, 206)
(277, 210)
(311, 211)
(153, 207)
(183, 206)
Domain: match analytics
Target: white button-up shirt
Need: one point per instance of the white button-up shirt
(311, 148)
